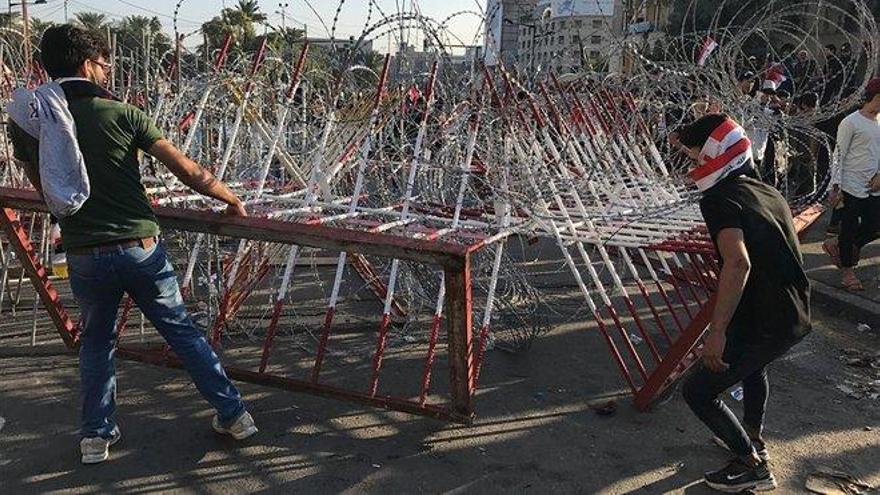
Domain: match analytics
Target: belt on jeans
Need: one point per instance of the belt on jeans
(146, 243)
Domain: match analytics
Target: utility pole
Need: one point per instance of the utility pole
(177, 55)
(26, 33)
(26, 30)
(65, 11)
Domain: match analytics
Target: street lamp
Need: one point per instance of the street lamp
(283, 6)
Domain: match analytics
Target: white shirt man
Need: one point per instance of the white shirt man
(857, 154)
(855, 180)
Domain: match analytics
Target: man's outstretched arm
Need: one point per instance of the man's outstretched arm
(196, 177)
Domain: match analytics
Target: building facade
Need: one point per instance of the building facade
(501, 40)
(566, 36)
(586, 35)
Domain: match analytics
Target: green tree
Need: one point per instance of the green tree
(132, 31)
(10, 20)
(38, 27)
(92, 21)
(240, 21)
(285, 42)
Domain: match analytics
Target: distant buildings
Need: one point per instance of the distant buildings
(366, 45)
(503, 21)
(408, 60)
(569, 35)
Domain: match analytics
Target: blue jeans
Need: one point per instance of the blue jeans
(98, 281)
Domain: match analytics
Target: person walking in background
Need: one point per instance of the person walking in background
(855, 181)
(833, 75)
(112, 239)
(804, 71)
(805, 149)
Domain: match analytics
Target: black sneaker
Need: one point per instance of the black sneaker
(738, 477)
(760, 448)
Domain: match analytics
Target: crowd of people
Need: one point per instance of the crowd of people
(838, 156)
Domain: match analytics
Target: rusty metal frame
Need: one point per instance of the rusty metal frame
(453, 258)
(684, 351)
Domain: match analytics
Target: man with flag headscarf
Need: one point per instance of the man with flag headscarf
(762, 302)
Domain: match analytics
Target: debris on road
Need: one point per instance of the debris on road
(737, 394)
(605, 408)
(861, 359)
(828, 481)
(856, 390)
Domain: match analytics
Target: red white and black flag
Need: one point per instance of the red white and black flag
(709, 45)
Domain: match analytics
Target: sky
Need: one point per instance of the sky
(351, 19)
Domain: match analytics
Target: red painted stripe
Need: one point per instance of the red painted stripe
(723, 129)
(719, 162)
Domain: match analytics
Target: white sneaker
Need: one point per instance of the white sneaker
(242, 428)
(96, 450)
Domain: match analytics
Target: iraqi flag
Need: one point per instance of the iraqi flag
(775, 77)
(727, 149)
(709, 45)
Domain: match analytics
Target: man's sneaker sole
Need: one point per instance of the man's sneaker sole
(96, 458)
(99, 458)
(238, 436)
(758, 486)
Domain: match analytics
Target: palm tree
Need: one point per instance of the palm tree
(131, 30)
(250, 10)
(243, 17)
(240, 21)
(9, 20)
(281, 41)
(38, 27)
(92, 21)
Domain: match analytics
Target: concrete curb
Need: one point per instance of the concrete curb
(851, 306)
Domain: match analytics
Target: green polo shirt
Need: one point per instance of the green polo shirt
(110, 135)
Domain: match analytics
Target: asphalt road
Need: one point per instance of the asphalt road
(536, 431)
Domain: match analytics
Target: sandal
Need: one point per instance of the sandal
(833, 252)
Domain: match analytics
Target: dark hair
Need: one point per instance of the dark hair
(697, 132)
(831, 48)
(65, 48)
(807, 100)
(872, 89)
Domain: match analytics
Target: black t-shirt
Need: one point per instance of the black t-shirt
(775, 303)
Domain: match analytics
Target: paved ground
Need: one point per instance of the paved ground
(536, 431)
(864, 306)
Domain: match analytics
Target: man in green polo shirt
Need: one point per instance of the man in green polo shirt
(112, 241)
